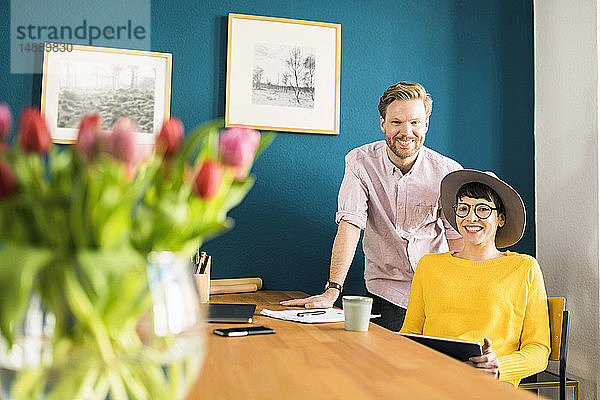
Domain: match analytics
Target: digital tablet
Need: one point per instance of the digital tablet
(456, 348)
(241, 313)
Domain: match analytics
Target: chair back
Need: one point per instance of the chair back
(559, 343)
(556, 308)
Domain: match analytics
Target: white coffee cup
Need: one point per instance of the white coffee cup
(357, 312)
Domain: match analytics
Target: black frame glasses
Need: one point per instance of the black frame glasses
(478, 208)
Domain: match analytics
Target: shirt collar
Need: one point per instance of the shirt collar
(390, 167)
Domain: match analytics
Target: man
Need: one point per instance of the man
(391, 191)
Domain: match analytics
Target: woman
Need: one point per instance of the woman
(480, 293)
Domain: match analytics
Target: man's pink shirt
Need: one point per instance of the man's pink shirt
(400, 214)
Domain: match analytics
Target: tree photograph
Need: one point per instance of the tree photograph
(111, 90)
(283, 75)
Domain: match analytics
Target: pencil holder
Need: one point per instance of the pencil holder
(203, 284)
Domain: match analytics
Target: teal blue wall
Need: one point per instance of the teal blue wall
(475, 57)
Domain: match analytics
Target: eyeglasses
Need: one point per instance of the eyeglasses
(482, 211)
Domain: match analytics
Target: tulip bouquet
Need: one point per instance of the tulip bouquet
(76, 226)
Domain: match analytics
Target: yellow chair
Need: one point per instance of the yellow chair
(559, 343)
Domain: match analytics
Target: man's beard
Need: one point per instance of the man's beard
(400, 152)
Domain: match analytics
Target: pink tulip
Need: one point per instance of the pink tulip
(8, 182)
(143, 152)
(237, 147)
(34, 136)
(5, 121)
(90, 136)
(207, 181)
(170, 136)
(122, 142)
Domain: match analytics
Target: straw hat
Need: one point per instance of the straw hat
(513, 229)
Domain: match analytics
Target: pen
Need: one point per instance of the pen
(200, 263)
(205, 264)
(196, 260)
(305, 313)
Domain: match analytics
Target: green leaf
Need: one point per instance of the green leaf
(115, 228)
(127, 300)
(237, 192)
(19, 266)
(101, 268)
(213, 229)
(265, 140)
(195, 138)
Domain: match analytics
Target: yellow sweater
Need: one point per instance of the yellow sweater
(502, 299)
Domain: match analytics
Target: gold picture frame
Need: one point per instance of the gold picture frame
(283, 74)
(112, 82)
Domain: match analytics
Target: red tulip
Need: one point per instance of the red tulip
(170, 136)
(122, 142)
(237, 146)
(8, 182)
(90, 136)
(34, 136)
(5, 121)
(208, 179)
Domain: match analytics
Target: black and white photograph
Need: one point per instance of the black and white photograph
(283, 75)
(110, 82)
(110, 90)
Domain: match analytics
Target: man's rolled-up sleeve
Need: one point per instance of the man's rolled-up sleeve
(352, 198)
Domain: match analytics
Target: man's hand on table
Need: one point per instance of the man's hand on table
(324, 300)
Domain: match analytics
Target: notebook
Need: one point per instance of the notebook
(230, 313)
(456, 348)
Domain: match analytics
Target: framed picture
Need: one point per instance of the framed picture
(111, 82)
(283, 74)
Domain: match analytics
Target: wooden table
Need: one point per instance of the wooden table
(323, 361)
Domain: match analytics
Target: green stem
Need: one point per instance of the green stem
(137, 389)
(84, 310)
(92, 375)
(75, 212)
(175, 378)
(101, 389)
(30, 384)
(117, 389)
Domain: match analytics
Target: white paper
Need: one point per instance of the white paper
(307, 316)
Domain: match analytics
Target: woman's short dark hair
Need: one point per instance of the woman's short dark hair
(478, 190)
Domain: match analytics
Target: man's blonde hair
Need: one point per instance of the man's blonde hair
(405, 90)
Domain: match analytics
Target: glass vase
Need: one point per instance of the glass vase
(156, 356)
(31, 349)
